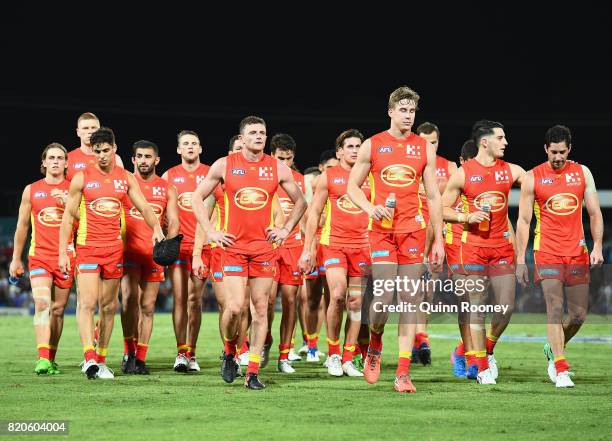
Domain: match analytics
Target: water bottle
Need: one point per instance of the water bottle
(390, 203)
(15, 280)
(485, 224)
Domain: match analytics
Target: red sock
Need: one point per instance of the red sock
(182, 348)
(482, 361)
(283, 351)
(333, 347)
(491, 342)
(190, 351)
(254, 360)
(363, 348)
(43, 352)
(141, 351)
(420, 338)
(245, 346)
(89, 353)
(229, 346)
(561, 364)
(403, 364)
(460, 349)
(312, 340)
(471, 358)
(376, 341)
(348, 352)
(129, 345)
(268, 338)
(101, 358)
(52, 352)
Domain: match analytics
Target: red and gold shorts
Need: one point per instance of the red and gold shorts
(47, 267)
(486, 261)
(257, 265)
(143, 265)
(289, 273)
(401, 248)
(106, 261)
(571, 270)
(356, 261)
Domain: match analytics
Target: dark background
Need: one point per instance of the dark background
(309, 71)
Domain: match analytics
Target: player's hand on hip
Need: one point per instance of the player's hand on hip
(276, 235)
(522, 274)
(221, 238)
(477, 217)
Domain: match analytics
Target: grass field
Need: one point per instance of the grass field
(309, 404)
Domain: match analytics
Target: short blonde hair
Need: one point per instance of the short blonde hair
(403, 93)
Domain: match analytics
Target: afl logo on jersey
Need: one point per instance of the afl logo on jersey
(546, 181)
(495, 199)
(562, 204)
(79, 166)
(157, 209)
(385, 149)
(92, 184)
(184, 201)
(398, 175)
(338, 181)
(106, 206)
(179, 180)
(345, 204)
(51, 216)
(40, 194)
(251, 198)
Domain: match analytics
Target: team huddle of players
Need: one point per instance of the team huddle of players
(380, 208)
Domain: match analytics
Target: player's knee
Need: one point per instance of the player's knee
(109, 307)
(58, 310)
(555, 312)
(147, 309)
(577, 318)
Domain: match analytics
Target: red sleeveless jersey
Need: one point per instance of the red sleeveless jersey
(186, 183)
(453, 231)
(46, 218)
(442, 175)
(101, 209)
(249, 190)
(79, 161)
(294, 239)
(396, 167)
(346, 225)
(558, 196)
(138, 233)
(487, 186)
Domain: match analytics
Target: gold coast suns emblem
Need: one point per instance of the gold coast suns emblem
(345, 204)
(286, 205)
(251, 198)
(51, 216)
(105, 206)
(398, 175)
(184, 201)
(562, 204)
(157, 209)
(494, 199)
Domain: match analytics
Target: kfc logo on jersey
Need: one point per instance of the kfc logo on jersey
(413, 150)
(338, 181)
(120, 184)
(385, 149)
(239, 171)
(40, 194)
(501, 177)
(266, 172)
(546, 181)
(92, 184)
(476, 178)
(572, 178)
(159, 191)
(179, 180)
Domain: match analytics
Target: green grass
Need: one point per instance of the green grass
(308, 405)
